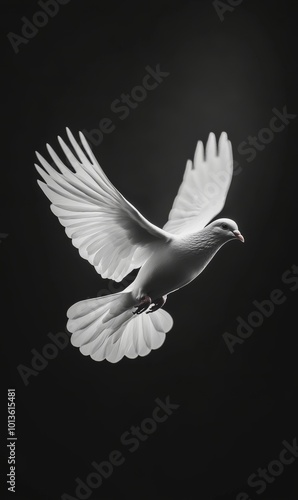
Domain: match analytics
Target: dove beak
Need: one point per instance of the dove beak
(238, 235)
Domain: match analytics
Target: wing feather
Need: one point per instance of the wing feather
(204, 188)
(107, 230)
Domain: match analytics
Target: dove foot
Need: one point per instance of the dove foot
(157, 304)
(142, 305)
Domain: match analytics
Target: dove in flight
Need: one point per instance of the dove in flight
(115, 238)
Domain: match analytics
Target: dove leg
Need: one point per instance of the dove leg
(142, 305)
(157, 304)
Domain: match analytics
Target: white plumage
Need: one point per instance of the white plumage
(115, 238)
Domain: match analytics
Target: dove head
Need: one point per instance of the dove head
(226, 230)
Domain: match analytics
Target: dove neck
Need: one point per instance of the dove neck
(206, 240)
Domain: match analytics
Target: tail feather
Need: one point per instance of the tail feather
(105, 328)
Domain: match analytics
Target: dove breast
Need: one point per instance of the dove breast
(174, 265)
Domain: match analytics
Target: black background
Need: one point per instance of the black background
(235, 409)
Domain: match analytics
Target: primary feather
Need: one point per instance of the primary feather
(205, 185)
(107, 230)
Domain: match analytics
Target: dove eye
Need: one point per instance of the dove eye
(225, 226)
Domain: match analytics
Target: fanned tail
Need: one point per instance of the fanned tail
(105, 328)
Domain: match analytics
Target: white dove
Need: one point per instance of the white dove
(113, 236)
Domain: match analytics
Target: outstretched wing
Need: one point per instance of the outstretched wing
(108, 231)
(204, 188)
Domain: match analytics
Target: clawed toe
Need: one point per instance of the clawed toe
(157, 304)
(146, 301)
(140, 309)
(143, 305)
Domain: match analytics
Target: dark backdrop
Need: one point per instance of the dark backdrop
(235, 409)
